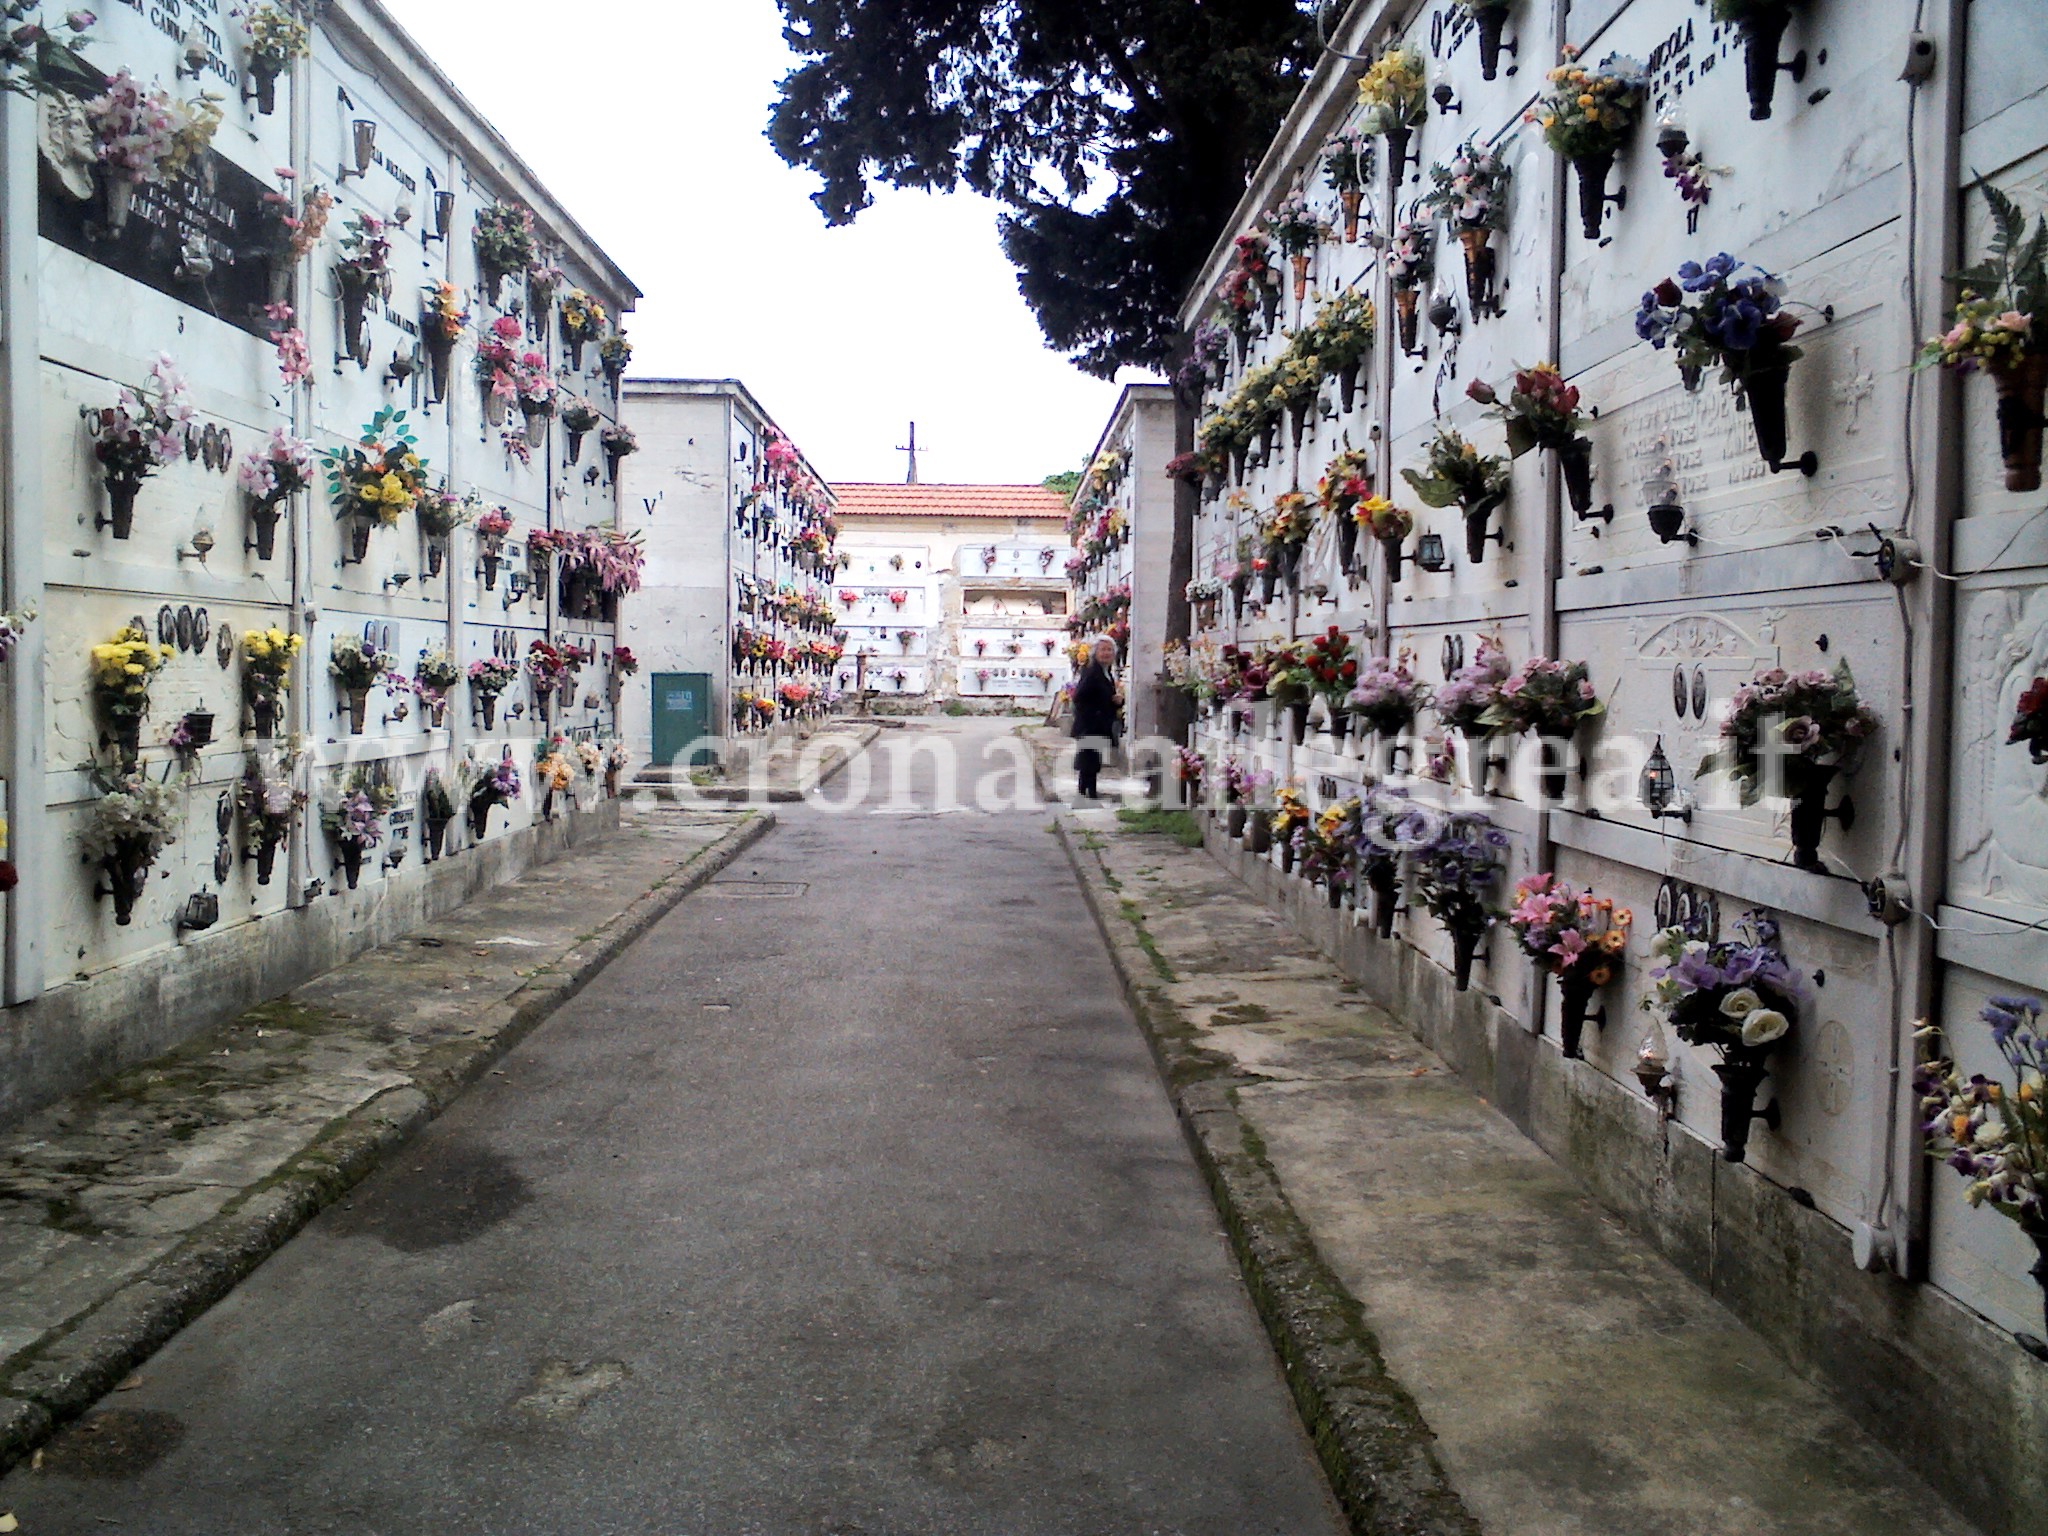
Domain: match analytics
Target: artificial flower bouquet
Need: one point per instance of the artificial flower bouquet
(1297, 231)
(1290, 813)
(1738, 996)
(282, 467)
(1471, 194)
(1333, 672)
(497, 785)
(378, 479)
(1456, 473)
(1466, 703)
(1550, 698)
(2001, 298)
(1814, 724)
(138, 435)
(505, 243)
(1339, 337)
(1573, 935)
(1723, 314)
(121, 670)
(1386, 696)
(433, 677)
(1454, 875)
(1393, 92)
(1995, 1134)
(1542, 411)
(1325, 845)
(267, 656)
(358, 668)
(1347, 168)
(444, 318)
(269, 802)
(490, 676)
(1585, 115)
(1410, 259)
(355, 818)
(134, 819)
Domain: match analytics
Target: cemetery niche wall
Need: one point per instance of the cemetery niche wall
(313, 439)
(1584, 508)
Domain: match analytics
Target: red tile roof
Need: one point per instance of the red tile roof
(1006, 503)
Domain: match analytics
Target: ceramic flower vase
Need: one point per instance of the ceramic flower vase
(1740, 1076)
(2021, 391)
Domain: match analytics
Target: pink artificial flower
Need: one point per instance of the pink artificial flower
(1959, 336)
(2012, 320)
(1569, 946)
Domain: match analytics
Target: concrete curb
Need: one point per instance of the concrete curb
(745, 794)
(69, 1369)
(1374, 1445)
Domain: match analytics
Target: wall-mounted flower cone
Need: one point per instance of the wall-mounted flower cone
(1269, 302)
(435, 558)
(1297, 716)
(1379, 879)
(1269, 578)
(358, 709)
(121, 493)
(266, 862)
(575, 345)
(263, 521)
(1298, 419)
(1391, 548)
(1347, 544)
(1397, 152)
(264, 713)
(1464, 949)
(127, 735)
(1492, 19)
(264, 79)
(1576, 995)
(1233, 822)
(575, 444)
(1765, 375)
(1352, 201)
(1807, 783)
(359, 530)
(1476, 519)
(1407, 316)
(1347, 385)
(440, 353)
(127, 872)
(489, 706)
(1593, 170)
(2021, 391)
(1740, 1076)
(1575, 459)
(536, 427)
(1763, 29)
(352, 862)
(355, 302)
(437, 836)
(496, 407)
(1286, 855)
(1480, 263)
(1333, 888)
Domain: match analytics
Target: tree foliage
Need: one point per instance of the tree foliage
(1063, 484)
(1118, 135)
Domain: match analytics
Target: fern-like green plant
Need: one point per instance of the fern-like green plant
(2014, 272)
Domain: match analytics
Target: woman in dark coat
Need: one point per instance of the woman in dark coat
(1097, 717)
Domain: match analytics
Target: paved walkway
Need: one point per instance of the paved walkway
(1574, 1382)
(845, 1203)
(127, 1209)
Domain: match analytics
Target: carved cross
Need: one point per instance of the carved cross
(1855, 389)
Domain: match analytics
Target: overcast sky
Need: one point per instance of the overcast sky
(845, 335)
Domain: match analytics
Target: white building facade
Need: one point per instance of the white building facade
(298, 314)
(1882, 532)
(735, 625)
(952, 592)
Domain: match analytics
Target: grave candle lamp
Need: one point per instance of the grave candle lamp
(1666, 512)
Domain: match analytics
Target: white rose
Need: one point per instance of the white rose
(1741, 1003)
(1763, 1026)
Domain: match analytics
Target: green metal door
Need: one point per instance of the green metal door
(682, 714)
